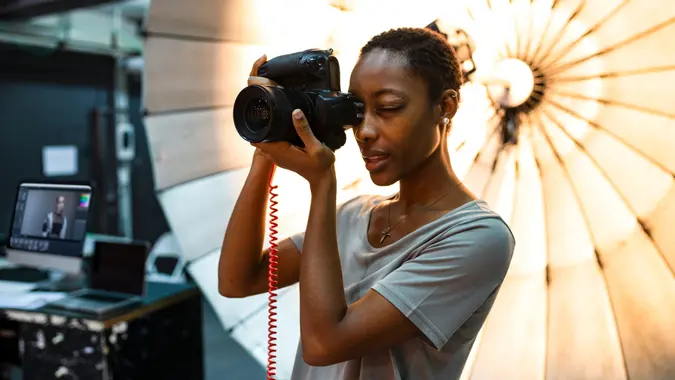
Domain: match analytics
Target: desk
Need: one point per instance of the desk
(161, 338)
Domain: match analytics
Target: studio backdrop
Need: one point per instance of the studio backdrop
(566, 128)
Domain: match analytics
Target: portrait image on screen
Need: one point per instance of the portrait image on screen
(51, 214)
(49, 225)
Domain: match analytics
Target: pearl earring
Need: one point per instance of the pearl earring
(446, 121)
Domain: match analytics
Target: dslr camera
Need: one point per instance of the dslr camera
(308, 80)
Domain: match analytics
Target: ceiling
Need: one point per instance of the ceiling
(131, 9)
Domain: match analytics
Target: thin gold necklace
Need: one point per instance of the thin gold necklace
(387, 231)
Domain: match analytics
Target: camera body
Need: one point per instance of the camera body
(308, 80)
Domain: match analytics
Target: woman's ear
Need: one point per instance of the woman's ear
(449, 103)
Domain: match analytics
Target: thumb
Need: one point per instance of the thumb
(305, 132)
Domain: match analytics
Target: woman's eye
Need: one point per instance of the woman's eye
(389, 108)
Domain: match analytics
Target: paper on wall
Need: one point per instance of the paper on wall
(59, 160)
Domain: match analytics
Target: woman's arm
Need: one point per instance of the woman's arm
(322, 299)
(428, 297)
(62, 235)
(242, 269)
(332, 332)
(46, 226)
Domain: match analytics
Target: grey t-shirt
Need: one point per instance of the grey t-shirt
(444, 277)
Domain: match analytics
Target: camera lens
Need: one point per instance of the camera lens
(263, 113)
(257, 114)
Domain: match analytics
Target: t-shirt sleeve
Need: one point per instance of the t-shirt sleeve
(297, 239)
(448, 281)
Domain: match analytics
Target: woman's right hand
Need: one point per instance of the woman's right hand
(259, 156)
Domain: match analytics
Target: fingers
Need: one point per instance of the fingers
(280, 152)
(275, 149)
(305, 132)
(260, 152)
(254, 79)
(261, 81)
(256, 65)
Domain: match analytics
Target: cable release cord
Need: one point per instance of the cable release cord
(272, 283)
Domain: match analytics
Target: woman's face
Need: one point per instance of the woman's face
(60, 204)
(400, 127)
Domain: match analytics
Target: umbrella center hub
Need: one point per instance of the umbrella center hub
(517, 86)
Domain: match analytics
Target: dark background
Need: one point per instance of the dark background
(52, 97)
(49, 98)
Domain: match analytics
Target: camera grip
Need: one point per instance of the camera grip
(281, 66)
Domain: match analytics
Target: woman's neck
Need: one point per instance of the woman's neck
(432, 179)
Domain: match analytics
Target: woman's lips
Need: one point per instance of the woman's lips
(374, 163)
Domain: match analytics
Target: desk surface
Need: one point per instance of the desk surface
(158, 295)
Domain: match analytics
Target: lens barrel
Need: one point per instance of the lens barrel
(264, 113)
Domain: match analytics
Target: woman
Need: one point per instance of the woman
(402, 289)
(55, 223)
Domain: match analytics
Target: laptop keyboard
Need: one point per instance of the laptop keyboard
(90, 302)
(101, 298)
(78, 303)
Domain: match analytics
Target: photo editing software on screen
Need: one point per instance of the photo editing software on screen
(51, 219)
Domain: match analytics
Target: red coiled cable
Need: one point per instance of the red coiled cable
(272, 283)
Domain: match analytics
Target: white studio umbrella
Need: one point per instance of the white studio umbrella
(564, 129)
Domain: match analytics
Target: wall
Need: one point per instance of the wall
(149, 220)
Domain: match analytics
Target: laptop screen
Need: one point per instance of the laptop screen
(50, 218)
(119, 267)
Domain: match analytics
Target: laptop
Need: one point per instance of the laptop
(117, 279)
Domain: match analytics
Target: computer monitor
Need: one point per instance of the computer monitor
(49, 225)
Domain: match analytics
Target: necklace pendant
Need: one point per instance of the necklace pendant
(385, 234)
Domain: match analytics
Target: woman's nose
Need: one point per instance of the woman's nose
(365, 132)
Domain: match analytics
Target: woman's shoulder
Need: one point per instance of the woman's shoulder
(361, 202)
(486, 234)
(479, 219)
(356, 209)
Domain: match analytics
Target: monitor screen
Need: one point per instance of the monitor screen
(50, 219)
(119, 267)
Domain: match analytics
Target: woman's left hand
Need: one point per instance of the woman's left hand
(314, 162)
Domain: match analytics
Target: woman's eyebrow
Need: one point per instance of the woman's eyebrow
(386, 91)
(383, 91)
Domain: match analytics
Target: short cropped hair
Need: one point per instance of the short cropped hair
(428, 54)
